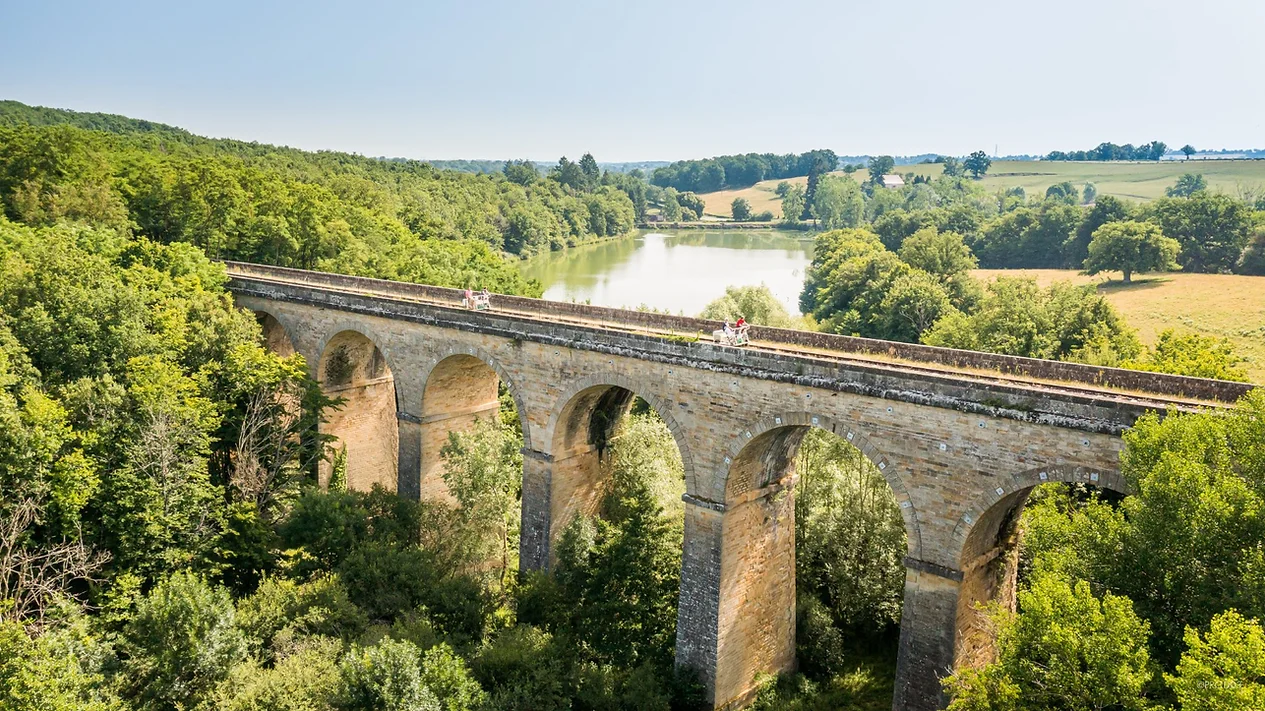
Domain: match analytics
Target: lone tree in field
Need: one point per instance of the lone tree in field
(1189, 150)
(1129, 247)
(978, 163)
(1188, 184)
(741, 209)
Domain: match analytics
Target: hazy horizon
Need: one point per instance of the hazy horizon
(658, 81)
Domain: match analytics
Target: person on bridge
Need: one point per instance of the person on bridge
(742, 322)
(469, 300)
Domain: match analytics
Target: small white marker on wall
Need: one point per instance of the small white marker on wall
(815, 420)
(1093, 477)
(943, 447)
(1044, 476)
(777, 420)
(968, 519)
(999, 491)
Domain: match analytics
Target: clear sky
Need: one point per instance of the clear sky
(655, 80)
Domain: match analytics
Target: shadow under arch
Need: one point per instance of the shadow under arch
(276, 337)
(354, 369)
(986, 538)
(757, 605)
(460, 387)
(579, 431)
(725, 484)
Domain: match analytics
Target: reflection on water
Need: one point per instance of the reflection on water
(678, 271)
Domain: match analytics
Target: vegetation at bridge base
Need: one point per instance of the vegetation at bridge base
(1152, 601)
(850, 582)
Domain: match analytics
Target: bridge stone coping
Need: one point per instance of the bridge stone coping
(851, 433)
(1098, 376)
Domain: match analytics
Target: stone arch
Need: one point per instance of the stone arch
(724, 485)
(756, 620)
(460, 386)
(353, 367)
(639, 388)
(276, 336)
(495, 365)
(985, 540)
(577, 432)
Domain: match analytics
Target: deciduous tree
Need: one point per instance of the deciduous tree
(978, 164)
(1130, 247)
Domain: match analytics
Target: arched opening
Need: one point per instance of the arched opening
(472, 434)
(461, 390)
(366, 434)
(275, 337)
(582, 437)
(990, 559)
(616, 522)
(813, 544)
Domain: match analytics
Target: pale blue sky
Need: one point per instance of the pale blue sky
(655, 80)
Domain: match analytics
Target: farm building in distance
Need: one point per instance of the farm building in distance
(893, 182)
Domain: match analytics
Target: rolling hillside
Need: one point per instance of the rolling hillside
(1132, 181)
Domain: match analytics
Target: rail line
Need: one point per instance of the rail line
(981, 376)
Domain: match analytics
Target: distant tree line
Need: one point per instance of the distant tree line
(712, 174)
(1110, 151)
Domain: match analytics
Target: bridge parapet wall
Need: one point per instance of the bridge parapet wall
(1118, 378)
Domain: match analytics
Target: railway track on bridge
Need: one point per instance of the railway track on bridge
(981, 376)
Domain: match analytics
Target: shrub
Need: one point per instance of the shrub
(61, 670)
(819, 643)
(282, 611)
(181, 643)
(446, 674)
(306, 680)
(522, 671)
(387, 582)
(327, 526)
(384, 677)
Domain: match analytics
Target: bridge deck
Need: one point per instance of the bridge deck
(1149, 390)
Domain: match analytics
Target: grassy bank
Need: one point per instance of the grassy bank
(1228, 306)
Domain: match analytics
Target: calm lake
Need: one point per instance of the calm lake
(679, 271)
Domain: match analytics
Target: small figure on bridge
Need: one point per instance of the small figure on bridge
(479, 302)
(729, 335)
(468, 299)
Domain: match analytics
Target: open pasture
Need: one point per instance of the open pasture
(1227, 306)
(1129, 180)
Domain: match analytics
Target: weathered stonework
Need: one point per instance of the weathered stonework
(960, 449)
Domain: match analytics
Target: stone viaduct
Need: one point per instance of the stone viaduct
(961, 438)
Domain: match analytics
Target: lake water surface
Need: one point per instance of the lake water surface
(679, 271)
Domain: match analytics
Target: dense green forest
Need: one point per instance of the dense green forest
(722, 172)
(394, 219)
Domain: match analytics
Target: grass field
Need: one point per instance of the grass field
(1132, 181)
(1223, 305)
